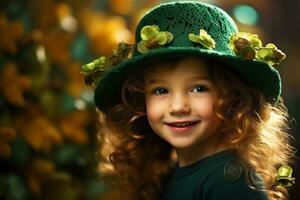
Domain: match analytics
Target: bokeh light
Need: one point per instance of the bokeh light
(245, 14)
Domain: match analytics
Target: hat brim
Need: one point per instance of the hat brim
(257, 74)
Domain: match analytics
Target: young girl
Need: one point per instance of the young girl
(194, 112)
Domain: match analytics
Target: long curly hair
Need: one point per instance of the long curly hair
(137, 161)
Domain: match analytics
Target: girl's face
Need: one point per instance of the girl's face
(180, 101)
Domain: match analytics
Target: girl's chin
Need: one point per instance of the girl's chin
(182, 145)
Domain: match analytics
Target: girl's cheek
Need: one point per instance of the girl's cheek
(154, 108)
(204, 107)
(150, 107)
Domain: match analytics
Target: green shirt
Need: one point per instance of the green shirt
(217, 177)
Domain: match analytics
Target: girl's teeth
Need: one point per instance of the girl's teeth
(184, 124)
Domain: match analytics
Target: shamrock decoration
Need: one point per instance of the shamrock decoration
(93, 71)
(153, 38)
(203, 38)
(245, 44)
(249, 46)
(123, 52)
(270, 54)
(284, 177)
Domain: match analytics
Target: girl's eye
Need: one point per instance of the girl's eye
(199, 88)
(159, 91)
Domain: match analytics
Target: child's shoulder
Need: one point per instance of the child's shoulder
(227, 179)
(220, 176)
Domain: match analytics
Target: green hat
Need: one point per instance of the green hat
(188, 28)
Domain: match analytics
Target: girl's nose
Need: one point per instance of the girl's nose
(179, 104)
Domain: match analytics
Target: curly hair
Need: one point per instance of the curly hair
(134, 159)
(255, 128)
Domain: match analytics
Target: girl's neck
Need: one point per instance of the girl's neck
(189, 156)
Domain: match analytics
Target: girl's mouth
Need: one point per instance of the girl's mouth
(182, 127)
(181, 124)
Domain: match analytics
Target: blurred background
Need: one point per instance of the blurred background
(48, 122)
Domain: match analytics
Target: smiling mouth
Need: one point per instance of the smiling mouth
(182, 124)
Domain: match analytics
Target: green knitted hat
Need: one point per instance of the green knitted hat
(184, 29)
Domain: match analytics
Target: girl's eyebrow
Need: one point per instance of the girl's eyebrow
(158, 80)
(200, 78)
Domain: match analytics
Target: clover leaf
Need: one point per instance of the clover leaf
(203, 38)
(245, 44)
(270, 54)
(149, 32)
(250, 47)
(93, 71)
(123, 52)
(153, 38)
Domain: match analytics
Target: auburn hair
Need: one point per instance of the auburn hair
(138, 162)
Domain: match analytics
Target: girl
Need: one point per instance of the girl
(194, 112)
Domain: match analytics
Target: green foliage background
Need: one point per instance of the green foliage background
(48, 123)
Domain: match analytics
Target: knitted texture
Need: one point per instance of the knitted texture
(181, 19)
